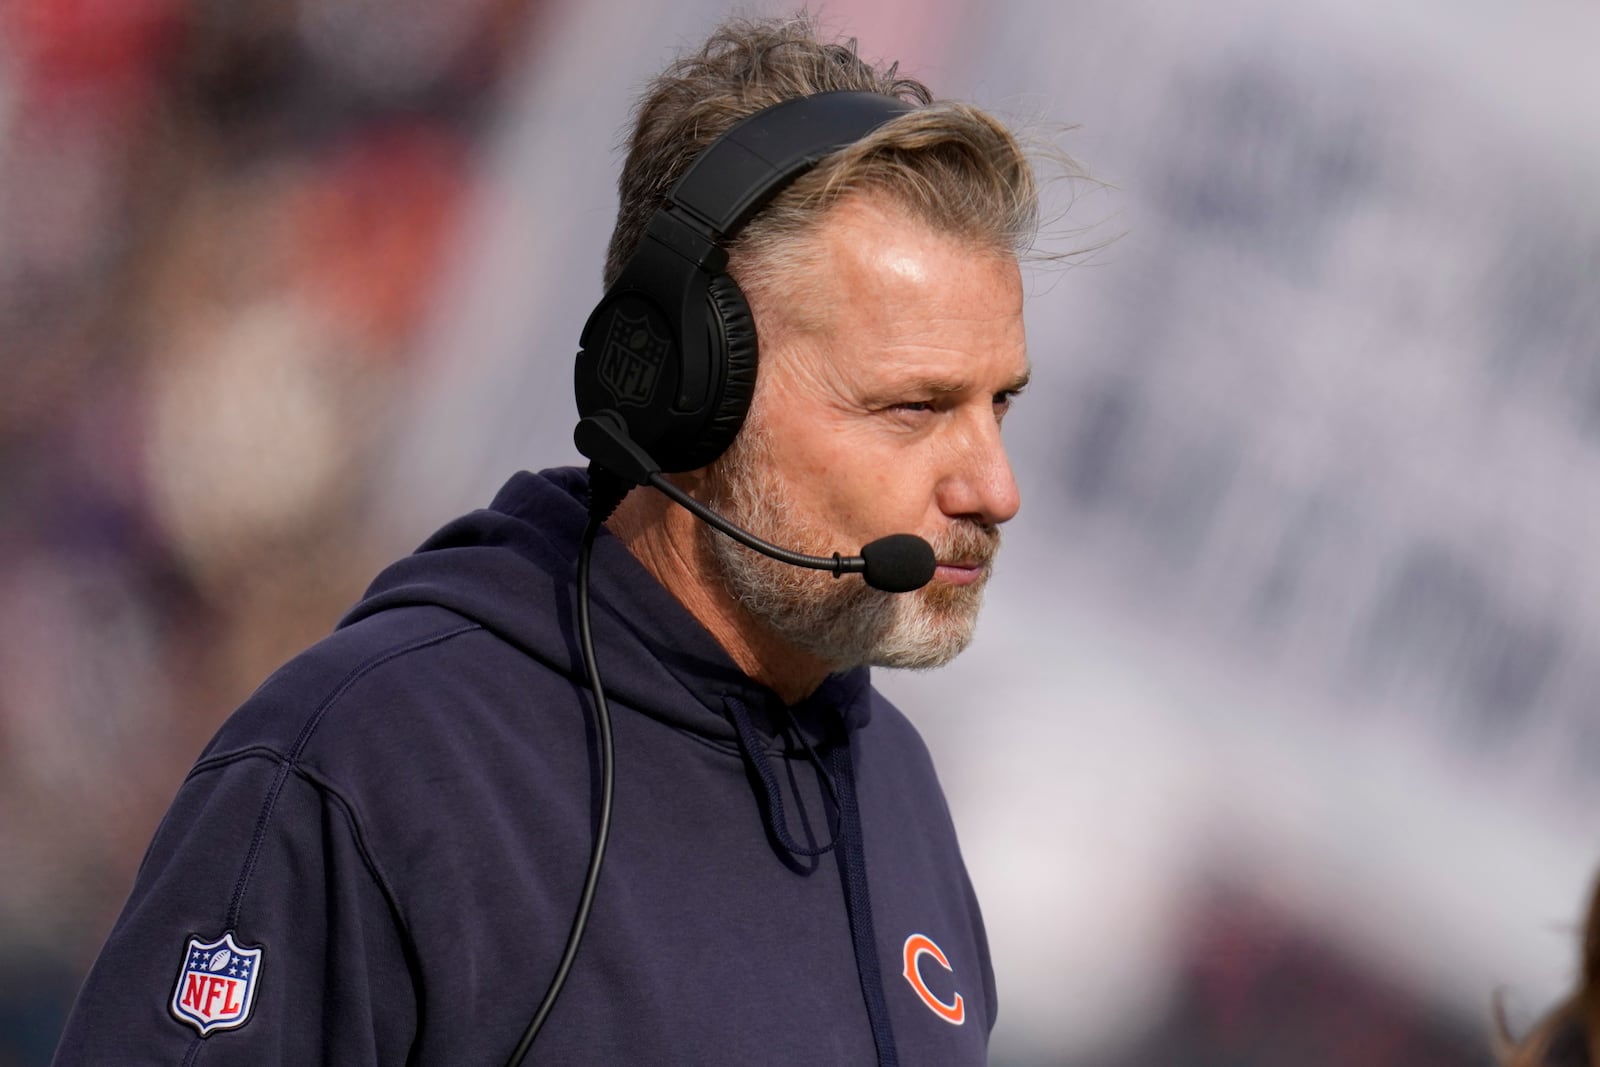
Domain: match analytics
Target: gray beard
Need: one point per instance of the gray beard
(841, 621)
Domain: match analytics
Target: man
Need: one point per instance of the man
(379, 858)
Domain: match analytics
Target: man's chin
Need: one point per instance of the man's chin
(924, 656)
(931, 632)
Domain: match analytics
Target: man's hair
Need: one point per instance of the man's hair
(948, 164)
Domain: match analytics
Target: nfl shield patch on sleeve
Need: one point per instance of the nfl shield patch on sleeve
(217, 983)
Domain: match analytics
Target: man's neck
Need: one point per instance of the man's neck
(669, 542)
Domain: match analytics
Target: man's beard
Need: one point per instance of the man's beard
(842, 621)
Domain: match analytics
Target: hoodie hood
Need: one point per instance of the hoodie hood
(512, 568)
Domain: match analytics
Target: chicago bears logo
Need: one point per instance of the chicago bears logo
(916, 947)
(217, 984)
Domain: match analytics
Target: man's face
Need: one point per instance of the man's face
(885, 374)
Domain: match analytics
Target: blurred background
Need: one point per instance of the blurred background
(1277, 745)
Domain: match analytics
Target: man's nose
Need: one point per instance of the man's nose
(980, 485)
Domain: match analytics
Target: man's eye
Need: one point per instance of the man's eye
(914, 405)
(1003, 401)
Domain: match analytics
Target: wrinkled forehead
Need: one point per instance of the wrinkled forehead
(869, 256)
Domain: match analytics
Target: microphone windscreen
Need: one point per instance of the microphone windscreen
(898, 563)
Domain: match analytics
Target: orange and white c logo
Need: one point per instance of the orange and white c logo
(918, 946)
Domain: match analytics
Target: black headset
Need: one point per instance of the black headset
(666, 369)
(670, 351)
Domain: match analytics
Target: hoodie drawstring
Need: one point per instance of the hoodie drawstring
(847, 845)
(857, 901)
(755, 753)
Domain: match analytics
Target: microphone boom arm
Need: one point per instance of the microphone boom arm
(835, 564)
(898, 563)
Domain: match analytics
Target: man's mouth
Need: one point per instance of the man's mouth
(960, 572)
(965, 555)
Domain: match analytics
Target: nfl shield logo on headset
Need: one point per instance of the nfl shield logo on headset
(632, 358)
(217, 984)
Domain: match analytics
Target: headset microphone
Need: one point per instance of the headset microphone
(898, 563)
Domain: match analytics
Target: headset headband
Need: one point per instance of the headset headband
(752, 162)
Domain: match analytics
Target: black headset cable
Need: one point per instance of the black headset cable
(602, 715)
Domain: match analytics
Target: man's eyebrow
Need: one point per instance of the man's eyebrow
(936, 387)
(1019, 383)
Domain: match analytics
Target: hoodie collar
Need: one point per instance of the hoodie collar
(513, 568)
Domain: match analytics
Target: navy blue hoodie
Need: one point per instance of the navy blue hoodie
(378, 857)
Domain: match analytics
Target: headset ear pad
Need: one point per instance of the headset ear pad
(728, 315)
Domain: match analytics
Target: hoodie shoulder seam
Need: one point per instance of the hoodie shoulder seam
(328, 789)
(288, 761)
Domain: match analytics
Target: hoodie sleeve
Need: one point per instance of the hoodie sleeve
(258, 932)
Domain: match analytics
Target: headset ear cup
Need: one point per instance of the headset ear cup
(730, 316)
